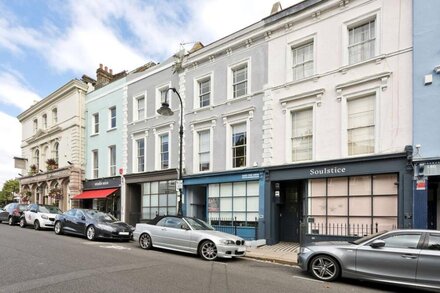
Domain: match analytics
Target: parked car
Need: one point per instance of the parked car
(189, 235)
(12, 212)
(404, 257)
(92, 224)
(40, 216)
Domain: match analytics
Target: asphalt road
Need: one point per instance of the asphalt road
(40, 261)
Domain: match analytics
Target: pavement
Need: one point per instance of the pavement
(282, 253)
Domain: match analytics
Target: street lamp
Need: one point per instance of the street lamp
(166, 111)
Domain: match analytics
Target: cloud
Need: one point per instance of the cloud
(13, 91)
(10, 128)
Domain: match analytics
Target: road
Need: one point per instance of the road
(40, 261)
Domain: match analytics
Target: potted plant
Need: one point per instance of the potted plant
(33, 169)
(56, 193)
(51, 164)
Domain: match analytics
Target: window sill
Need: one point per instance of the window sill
(94, 134)
(112, 129)
(376, 59)
(203, 109)
(242, 98)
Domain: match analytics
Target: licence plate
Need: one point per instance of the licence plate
(123, 233)
(241, 249)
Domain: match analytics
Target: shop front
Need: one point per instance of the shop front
(231, 202)
(101, 194)
(150, 194)
(427, 193)
(340, 199)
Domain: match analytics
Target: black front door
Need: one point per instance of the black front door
(290, 210)
(432, 204)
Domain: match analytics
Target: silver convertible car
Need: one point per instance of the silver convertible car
(190, 235)
(403, 257)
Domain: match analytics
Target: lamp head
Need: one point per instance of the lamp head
(165, 110)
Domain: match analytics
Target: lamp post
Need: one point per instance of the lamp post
(166, 111)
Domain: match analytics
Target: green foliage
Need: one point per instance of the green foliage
(10, 188)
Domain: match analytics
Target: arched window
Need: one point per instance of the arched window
(55, 152)
(37, 159)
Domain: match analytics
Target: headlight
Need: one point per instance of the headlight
(105, 227)
(44, 217)
(227, 242)
(304, 250)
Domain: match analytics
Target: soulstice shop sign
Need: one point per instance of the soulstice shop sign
(327, 171)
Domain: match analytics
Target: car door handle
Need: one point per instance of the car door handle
(409, 256)
(163, 229)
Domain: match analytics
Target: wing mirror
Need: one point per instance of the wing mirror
(377, 243)
(83, 218)
(33, 211)
(184, 227)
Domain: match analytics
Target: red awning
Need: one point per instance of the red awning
(98, 193)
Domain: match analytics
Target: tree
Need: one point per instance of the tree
(9, 190)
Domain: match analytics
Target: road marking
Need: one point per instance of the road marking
(307, 279)
(118, 247)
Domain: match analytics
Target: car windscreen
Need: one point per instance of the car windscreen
(22, 207)
(198, 224)
(100, 216)
(50, 210)
(367, 238)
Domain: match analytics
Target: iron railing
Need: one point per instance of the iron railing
(247, 230)
(354, 230)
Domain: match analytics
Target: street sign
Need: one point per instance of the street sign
(179, 185)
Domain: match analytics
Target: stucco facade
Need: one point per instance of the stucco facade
(54, 129)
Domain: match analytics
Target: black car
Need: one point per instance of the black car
(93, 224)
(12, 212)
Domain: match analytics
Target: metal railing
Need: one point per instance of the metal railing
(353, 230)
(245, 229)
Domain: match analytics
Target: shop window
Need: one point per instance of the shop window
(233, 203)
(159, 198)
(353, 206)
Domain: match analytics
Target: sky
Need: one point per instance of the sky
(46, 43)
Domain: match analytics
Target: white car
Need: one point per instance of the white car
(39, 216)
(190, 235)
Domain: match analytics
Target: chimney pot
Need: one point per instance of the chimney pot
(111, 71)
(100, 65)
(106, 69)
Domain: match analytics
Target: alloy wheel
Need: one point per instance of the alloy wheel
(10, 221)
(145, 241)
(208, 250)
(22, 223)
(58, 228)
(37, 225)
(324, 268)
(91, 233)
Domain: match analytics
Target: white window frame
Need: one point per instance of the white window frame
(288, 130)
(289, 53)
(110, 160)
(136, 98)
(157, 149)
(229, 125)
(95, 153)
(358, 21)
(196, 88)
(94, 115)
(110, 118)
(230, 78)
(35, 125)
(44, 120)
(344, 119)
(54, 112)
(196, 149)
(135, 166)
(158, 91)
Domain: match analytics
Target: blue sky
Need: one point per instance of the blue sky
(46, 43)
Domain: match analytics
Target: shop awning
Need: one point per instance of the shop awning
(97, 193)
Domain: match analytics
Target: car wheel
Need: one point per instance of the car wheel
(58, 228)
(145, 241)
(10, 221)
(324, 268)
(208, 250)
(37, 225)
(91, 233)
(22, 222)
